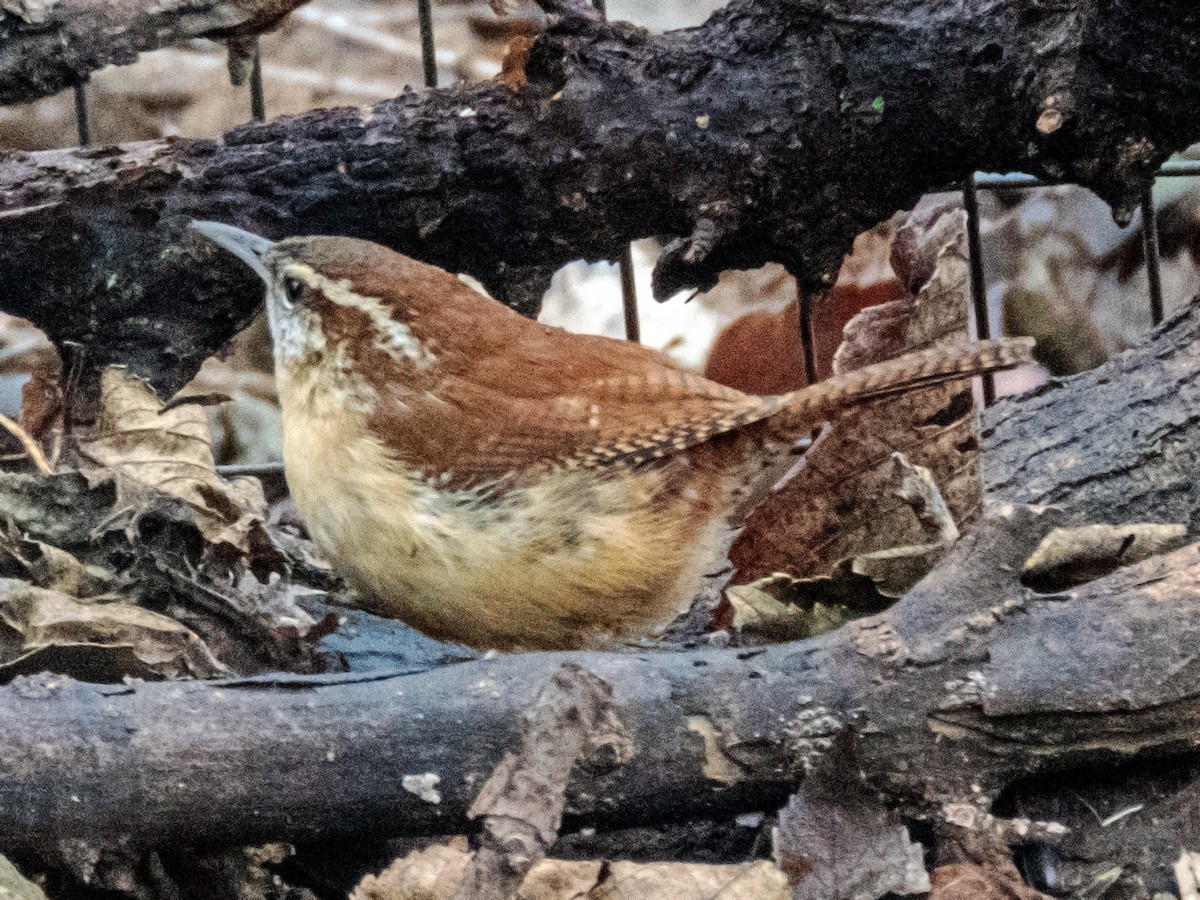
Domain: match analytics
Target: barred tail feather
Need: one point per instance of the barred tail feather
(924, 368)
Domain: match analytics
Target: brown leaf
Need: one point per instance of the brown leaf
(968, 881)
(48, 566)
(878, 332)
(762, 353)
(247, 624)
(1071, 556)
(866, 280)
(43, 630)
(780, 607)
(42, 396)
(768, 611)
(248, 429)
(149, 451)
(516, 57)
(893, 572)
(975, 857)
(430, 874)
(434, 874)
(52, 533)
(690, 881)
(835, 841)
(841, 505)
(55, 569)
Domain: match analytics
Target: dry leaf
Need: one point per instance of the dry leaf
(895, 571)
(689, 881)
(559, 879)
(836, 841)
(781, 608)
(760, 614)
(52, 567)
(58, 570)
(1187, 875)
(59, 509)
(762, 352)
(512, 67)
(148, 451)
(839, 505)
(773, 609)
(52, 533)
(23, 346)
(42, 404)
(877, 332)
(247, 430)
(1071, 556)
(43, 630)
(435, 872)
(969, 881)
(25, 350)
(430, 874)
(15, 886)
(250, 625)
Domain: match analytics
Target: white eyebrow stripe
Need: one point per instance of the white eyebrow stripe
(392, 336)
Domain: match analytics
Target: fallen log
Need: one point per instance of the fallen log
(956, 694)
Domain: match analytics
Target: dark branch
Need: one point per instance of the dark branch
(954, 687)
(48, 46)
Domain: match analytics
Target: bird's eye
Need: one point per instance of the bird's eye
(293, 289)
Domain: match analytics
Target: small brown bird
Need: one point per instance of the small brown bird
(510, 485)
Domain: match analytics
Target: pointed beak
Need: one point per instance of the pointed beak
(245, 245)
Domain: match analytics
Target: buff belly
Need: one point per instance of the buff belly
(580, 558)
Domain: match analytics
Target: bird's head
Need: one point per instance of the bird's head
(338, 300)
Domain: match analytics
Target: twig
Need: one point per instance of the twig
(521, 804)
(27, 441)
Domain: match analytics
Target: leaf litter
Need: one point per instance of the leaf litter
(145, 563)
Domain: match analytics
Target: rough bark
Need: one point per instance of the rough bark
(966, 689)
(956, 694)
(1129, 453)
(776, 131)
(49, 45)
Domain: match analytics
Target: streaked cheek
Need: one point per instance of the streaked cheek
(295, 332)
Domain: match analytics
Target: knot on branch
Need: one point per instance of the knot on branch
(683, 261)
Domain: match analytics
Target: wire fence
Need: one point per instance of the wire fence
(970, 191)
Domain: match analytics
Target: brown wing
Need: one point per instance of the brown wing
(618, 421)
(524, 395)
(480, 432)
(506, 394)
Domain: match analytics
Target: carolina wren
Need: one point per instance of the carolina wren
(502, 483)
